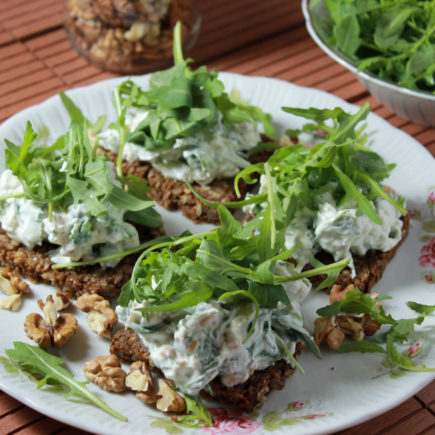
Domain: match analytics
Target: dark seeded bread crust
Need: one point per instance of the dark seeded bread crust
(127, 345)
(35, 264)
(369, 268)
(175, 195)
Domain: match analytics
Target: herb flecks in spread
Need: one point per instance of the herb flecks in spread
(67, 195)
(185, 124)
(330, 195)
(223, 303)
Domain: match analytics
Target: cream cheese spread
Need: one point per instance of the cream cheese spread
(197, 344)
(218, 152)
(340, 230)
(78, 235)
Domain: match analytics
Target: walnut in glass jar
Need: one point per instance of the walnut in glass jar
(130, 36)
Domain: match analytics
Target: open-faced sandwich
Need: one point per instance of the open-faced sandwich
(332, 202)
(218, 312)
(184, 127)
(61, 205)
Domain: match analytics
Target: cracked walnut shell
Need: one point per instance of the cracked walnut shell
(106, 372)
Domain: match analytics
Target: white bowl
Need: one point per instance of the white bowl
(417, 106)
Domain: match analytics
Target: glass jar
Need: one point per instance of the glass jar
(130, 36)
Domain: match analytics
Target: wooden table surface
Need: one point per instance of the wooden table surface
(250, 37)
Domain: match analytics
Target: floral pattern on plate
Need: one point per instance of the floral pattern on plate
(235, 422)
(427, 252)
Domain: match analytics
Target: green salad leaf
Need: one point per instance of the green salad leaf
(224, 265)
(69, 171)
(197, 415)
(394, 40)
(49, 370)
(339, 163)
(181, 102)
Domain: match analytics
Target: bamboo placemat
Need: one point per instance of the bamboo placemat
(250, 37)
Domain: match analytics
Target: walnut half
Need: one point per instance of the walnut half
(52, 329)
(106, 372)
(101, 318)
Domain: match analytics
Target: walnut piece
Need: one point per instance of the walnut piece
(139, 379)
(106, 372)
(66, 326)
(11, 303)
(334, 329)
(52, 329)
(6, 287)
(11, 284)
(326, 329)
(370, 325)
(335, 339)
(169, 400)
(351, 325)
(37, 329)
(101, 318)
(338, 293)
(60, 301)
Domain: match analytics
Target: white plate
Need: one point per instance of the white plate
(337, 392)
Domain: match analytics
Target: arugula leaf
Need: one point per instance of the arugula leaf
(362, 346)
(402, 360)
(394, 40)
(48, 368)
(196, 413)
(77, 115)
(188, 299)
(232, 297)
(422, 309)
(268, 295)
(346, 33)
(352, 192)
(356, 302)
(290, 356)
(70, 172)
(181, 102)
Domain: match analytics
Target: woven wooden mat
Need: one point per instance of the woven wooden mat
(250, 37)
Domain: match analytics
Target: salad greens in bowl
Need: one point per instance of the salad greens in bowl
(389, 46)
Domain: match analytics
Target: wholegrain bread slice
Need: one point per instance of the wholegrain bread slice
(35, 264)
(175, 195)
(249, 395)
(369, 268)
